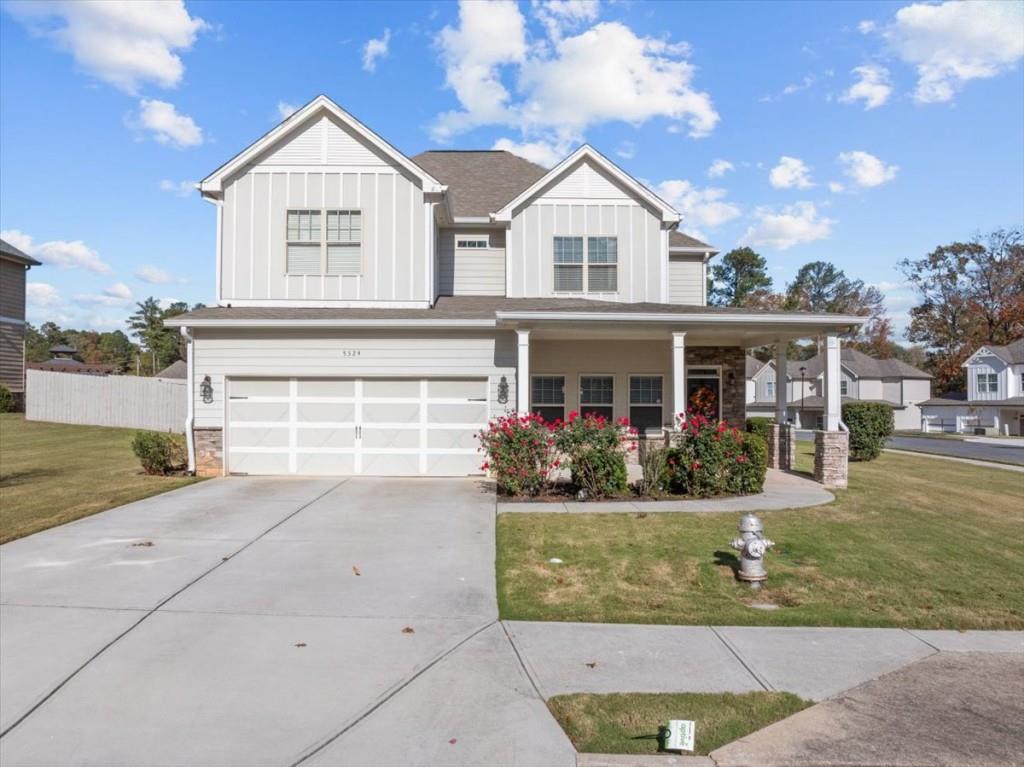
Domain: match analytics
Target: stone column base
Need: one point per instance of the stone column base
(640, 444)
(831, 457)
(787, 447)
(209, 452)
(774, 459)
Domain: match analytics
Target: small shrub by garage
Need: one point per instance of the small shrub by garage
(870, 425)
(520, 453)
(595, 452)
(160, 453)
(7, 402)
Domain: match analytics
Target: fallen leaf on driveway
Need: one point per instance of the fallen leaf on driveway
(453, 741)
(592, 664)
(408, 630)
(143, 543)
(300, 644)
(355, 570)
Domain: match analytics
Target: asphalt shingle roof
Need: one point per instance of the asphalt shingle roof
(858, 363)
(12, 253)
(480, 182)
(680, 240)
(1012, 353)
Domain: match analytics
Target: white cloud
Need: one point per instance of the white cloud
(700, 208)
(866, 27)
(286, 110)
(719, 168)
(952, 43)
(558, 16)
(783, 228)
(60, 253)
(546, 153)
(835, 187)
(154, 275)
(179, 188)
(165, 303)
(376, 48)
(117, 294)
(167, 125)
(119, 290)
(41, 294)
(865, 169)
(605, 73)
(626, 150)
(123, 42)
(872, 86)
(790, 173)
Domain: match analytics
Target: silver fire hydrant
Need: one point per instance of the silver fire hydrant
(752, 546)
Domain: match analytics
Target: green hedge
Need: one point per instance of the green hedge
(7, 403)
(870, 424)
(160, 453)
(761, 426)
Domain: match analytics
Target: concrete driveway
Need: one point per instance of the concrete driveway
(249, 621)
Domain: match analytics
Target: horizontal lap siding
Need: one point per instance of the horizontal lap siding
(321, 355)
(685, 276)
(470, 271)
(12, 290)
(12, 356)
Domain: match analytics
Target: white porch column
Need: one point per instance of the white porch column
(781, 382)
(523, 371)
(832, 373)
(678, 378)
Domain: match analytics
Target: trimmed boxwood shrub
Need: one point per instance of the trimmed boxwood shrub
(160, 453)
(595, 451)
(870, 424)
(761, 426)
(7, 403)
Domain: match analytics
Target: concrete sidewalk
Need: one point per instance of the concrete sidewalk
(782, 490)
(814, 663)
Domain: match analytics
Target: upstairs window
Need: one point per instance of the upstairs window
(344, 240)
(769, 389)
(598, 271)
(476, 241)
(312, 248)
(303, 251)
(844, 387)
(988, 383)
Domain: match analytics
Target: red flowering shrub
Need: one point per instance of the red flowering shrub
(710, 458)
(520, 453)
(595, 451)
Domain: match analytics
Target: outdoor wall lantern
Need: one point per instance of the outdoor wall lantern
(732, 378)
(206, 390)
(503, 390)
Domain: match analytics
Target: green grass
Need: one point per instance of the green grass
(628, 723)
(54, 473)
(913, 542)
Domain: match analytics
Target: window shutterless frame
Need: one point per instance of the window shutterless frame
(987, 383)
(646, 400)
(472, 241)
(597, 394)
(585, 264)
(334, 235)
(547, 396)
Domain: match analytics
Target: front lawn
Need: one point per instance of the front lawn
(913, 542)
(53, 473)
(628, 723)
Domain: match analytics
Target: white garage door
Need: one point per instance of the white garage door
(340, 426)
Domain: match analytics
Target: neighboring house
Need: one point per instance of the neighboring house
(375, 311)
(863, 378)
(14, 266)
(63, 361)
(994, 400)
(177, 369)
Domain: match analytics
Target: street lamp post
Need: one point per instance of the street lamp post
(803, 394)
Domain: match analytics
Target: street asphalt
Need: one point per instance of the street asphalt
(1010, 452)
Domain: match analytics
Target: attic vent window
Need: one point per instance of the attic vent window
(473, 241)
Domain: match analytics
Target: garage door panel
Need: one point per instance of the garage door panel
(463, 439)
(402, 388)
(259, 411)
(472, 412)
(334, 412)
(456, 388)
(258, 463)
(381, 438)
(329, 437)
(454, 465)
(259, 437)
(273, 387)
(391, 465)
(326, 387)
(397, 412)
(324, 464)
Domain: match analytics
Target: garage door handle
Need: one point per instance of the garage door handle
(477, 399)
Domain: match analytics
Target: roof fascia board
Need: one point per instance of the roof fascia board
(807, 319)
(984, 350)
(687, 249)
(668, 214)
(327, 323)
(213, 183)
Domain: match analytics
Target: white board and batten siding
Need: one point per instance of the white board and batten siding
(470, 271)
(585, 202)
(325, 167)
(156, 404)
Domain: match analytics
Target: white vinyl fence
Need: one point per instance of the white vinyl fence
(157, 404)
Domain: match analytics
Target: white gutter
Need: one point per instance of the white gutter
(190, 441)
(805, 319)
(330, 323)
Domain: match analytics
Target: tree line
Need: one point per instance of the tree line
(156, 345)
(970, 293)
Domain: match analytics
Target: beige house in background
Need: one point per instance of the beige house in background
(14, 266)
(862, 378)
(375, 310)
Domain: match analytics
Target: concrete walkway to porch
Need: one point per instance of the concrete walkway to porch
(782, 490)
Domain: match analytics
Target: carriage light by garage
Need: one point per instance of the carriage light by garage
(206, 390)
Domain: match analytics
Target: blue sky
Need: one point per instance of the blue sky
(857, 133)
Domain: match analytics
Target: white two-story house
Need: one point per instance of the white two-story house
(375, 311)
(994, 400)
(862, 378)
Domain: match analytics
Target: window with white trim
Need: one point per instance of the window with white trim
(645, 402)
(844, 387)
(547, 397)
(987, 383)
(475, 241)
(597, 273)
(597, 393)
(314, 249)
(769, 388)
(303, 249)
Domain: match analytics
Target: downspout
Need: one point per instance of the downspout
(190, 440)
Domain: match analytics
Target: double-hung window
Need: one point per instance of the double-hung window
(315, 249)
(344, 239)
(303, 251)
(597, 393)
(547, 397)
(769, 389)
(595, 271)
(844, 387)
(645, 400)
(988, 383)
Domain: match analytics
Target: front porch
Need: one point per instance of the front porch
(653, 374)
